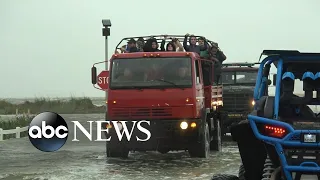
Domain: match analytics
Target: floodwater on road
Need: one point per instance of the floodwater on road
(87, 160)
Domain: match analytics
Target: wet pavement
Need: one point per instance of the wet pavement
(86, 160)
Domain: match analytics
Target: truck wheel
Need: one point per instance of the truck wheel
(224, 177)
(216, 144)
(241, 173)
(201, 149)
(119, 151)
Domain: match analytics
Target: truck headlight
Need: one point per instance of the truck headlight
(183, 125)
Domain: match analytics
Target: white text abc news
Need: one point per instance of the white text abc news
(117, 125)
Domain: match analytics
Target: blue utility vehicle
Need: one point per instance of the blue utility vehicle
(280, 140)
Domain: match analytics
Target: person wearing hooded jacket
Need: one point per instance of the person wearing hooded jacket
(151, 45)
(193, 47)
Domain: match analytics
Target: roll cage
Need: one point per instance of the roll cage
(160, 38)
(290, 65)
(180, 38)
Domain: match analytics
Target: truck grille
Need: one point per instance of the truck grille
(237, 102)
(134, 113)
(296, 156)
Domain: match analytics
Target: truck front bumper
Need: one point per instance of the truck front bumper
(165, 134)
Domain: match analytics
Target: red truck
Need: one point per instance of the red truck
(169, 90)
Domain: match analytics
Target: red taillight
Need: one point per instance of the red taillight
(275, 131)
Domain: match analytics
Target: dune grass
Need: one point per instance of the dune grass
(72, 106)
(19, 121)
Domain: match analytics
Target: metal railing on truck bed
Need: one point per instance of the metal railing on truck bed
(160, 38)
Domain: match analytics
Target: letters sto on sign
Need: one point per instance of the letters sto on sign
(103, 80)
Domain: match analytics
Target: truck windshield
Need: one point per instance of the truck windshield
(239, 77)
(157, 72)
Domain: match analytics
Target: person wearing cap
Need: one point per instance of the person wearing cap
(218, 57)
(131, 46)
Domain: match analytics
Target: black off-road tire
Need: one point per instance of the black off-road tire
(224, 177)
(216, 143)
(201, 149)
(241, 172)
(116, 152)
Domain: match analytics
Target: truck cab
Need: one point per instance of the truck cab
(238, 81)
(166, 89)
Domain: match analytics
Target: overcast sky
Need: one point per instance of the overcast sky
(48, 47)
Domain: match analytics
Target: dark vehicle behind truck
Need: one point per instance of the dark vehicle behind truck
(238, 83)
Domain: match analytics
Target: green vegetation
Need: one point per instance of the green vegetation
(72, 106)
(19, 121)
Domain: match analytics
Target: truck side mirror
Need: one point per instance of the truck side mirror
(274, 79)
(269, 82)
(94, 75)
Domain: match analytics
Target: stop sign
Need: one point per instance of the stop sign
(103, 80)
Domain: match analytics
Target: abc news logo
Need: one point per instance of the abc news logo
(48, 131)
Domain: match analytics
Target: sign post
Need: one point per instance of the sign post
(106, 32)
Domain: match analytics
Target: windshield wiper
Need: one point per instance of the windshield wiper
(169, 82)
(136, 87)
(129, 87)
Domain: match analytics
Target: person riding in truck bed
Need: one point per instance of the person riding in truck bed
(218, 56)
(193, 47)
(174, 45)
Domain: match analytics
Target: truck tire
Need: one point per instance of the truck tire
(224, 177)
(119, 151)
(201, 149)
(241, 172)
(216, 143)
